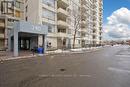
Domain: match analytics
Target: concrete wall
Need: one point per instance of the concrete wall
(53, 41)
(32, 11)
(35, 8)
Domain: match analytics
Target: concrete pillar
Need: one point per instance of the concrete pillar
(15, 43)
(6, 32)
(45, 43)
(9, 41)
(40, 40)
(67, 42)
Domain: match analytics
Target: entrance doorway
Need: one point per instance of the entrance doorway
(24, 43)
(21, 31)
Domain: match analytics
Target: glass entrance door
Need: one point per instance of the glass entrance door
(24, 44)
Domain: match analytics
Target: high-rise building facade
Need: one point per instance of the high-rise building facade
(69, 22)
(98, 14)
(43, 12)
(11, 10)
(92, 14)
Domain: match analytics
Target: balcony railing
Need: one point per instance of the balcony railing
(2, 24)
(1, 35)
(10, 24)
(61, 34)
(64, 3)
(83, 30)
(62, 24)
(83, 7)
(62, 12)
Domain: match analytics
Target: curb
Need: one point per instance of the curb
(32, 56)
(14, 58)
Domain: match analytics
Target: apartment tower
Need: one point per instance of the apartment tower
(92, 14)
(69, 22)
(11, 10)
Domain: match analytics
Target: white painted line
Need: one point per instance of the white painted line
(118, 70)
(64, 76)
(123, 56)
(124, 59)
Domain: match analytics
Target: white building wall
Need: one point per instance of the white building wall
(33, 11)
(35, 15)
(74, 5)
(53, 42)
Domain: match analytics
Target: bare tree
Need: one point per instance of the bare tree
(77, 23)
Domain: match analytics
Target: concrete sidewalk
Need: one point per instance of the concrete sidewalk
(28, 54)
(5, 55)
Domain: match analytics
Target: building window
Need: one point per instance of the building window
(51, 28)
(7, 7)
(48, 14)
(17, 4)
(62, 30)
(1, 31)
(64, 42)
(17, 13)
(78, 33)
(49, 2)
(69, 31)
(79, 41)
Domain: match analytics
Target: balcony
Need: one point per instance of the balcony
(100, 3)
(62, 12)
(84, 38)
(95, 11)
(83, 16)
(2, 24)
(62, 35)
(100, 32)
(62, 24)
(47, 20)
(94, 17)
(83, 24)
(63, 3)
(22, 1)
(17, 9)
(94, 39)
(10, 24)
(83, 30)
(95, 34)
(95, 5)
(101, 7)
(1, 35)
(83, 7)
(83, 2)
(17, 14)
(94, 28)
(83, 35)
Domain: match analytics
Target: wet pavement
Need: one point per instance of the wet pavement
(107, 67)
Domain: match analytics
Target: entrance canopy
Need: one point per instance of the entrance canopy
(26, 27)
